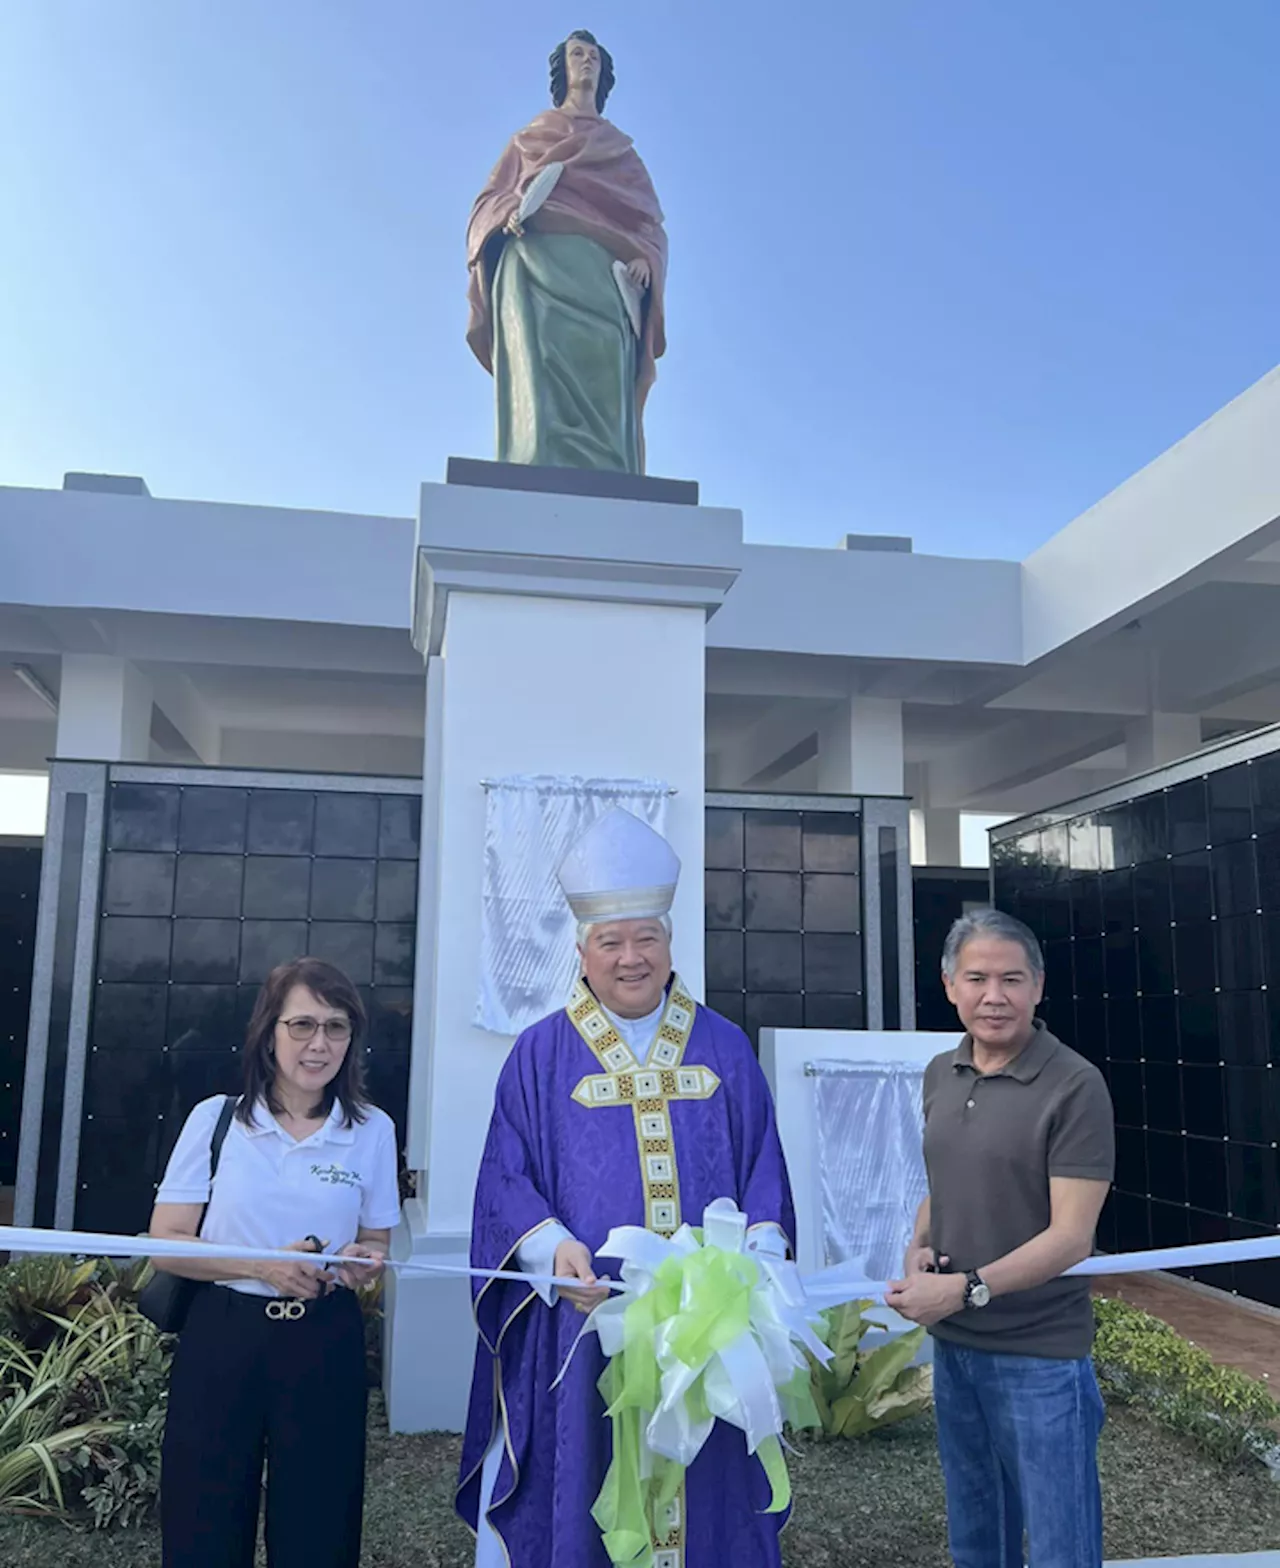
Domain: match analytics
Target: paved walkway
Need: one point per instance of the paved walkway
(1238, 1560)
(1236, 1333)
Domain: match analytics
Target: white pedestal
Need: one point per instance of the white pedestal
(565, 635)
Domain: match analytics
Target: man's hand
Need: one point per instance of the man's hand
(920, 1260)
(927, 1298)
(513, 226)
(639, 272)
(299, 1281)
(573, 1261)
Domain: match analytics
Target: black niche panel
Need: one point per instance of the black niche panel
(205, 889)
(1186, 999)
(19, 896)
(939, 897)
(784, 944)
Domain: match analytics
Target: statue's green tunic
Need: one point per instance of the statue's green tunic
(547, 317)
(564, 356)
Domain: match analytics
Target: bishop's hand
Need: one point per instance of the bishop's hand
(573, 1261)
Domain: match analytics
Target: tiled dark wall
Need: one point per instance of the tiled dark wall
(205, 889)
(1160, 920)
(784, 918)
(19, 897)
(939, 898)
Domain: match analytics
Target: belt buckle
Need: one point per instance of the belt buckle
(281, 1311)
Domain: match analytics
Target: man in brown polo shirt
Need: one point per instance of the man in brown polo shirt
(1019, 1147)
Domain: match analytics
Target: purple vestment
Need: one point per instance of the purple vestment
(551, 1156)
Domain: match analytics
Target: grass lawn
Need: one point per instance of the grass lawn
(858, 1505)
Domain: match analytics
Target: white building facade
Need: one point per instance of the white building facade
(347, 684)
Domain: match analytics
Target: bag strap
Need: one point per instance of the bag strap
(220, 1133)
(215, 1146)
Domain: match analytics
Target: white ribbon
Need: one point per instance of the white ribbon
(847, 1281)
(795, 1298)
(742, 1381)
(84, 1243)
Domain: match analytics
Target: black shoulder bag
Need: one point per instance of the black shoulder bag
(166, 1298)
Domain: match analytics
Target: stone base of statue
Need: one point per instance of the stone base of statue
(596, 482)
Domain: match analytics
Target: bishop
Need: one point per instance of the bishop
(632, 1105)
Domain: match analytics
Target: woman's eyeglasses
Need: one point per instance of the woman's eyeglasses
(336, 1030)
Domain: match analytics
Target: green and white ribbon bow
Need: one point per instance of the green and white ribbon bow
(705, 1331)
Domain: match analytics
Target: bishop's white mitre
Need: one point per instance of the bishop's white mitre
(620, 869)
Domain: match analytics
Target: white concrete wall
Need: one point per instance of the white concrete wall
(541, 686)
(196, 558)
(104, 710)
(870, 604)
(860, 748)
(1212, 497)
(85, 549)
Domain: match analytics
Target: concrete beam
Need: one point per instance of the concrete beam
(941, 827)
(1211, 500)
(859, 604)
(784, 726)
(1053, 789)
(1022, 751)
(219, 640)
(27, 744)
(177, 698)
(391, 755)
(1237, 650)
(860, 748)
(745, 672)
(338, 567)
(1160, 738)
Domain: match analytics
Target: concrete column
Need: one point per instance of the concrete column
(104, 710)
(941, 835)
(860, 748)
(1160, 738)
(531, 608)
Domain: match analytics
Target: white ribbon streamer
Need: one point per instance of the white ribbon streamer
(83, 1243)
(742, 1382)
(641, 1252)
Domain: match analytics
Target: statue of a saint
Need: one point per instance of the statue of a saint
(567, 258)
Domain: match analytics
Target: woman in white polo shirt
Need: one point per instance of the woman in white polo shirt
(270, 1362)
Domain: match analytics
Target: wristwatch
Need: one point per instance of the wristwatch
(977, 1293)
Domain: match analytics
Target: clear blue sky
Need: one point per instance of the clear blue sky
(951, 268)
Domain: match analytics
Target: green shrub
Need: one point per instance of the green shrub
(83, 1390)
(116, 1479)
(862, 1391)
(43, 1414)
(370, 1298)
(1141, 1361)
(84, 1386)
(36, 1290)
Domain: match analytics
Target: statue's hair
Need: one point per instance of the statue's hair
(560, 70)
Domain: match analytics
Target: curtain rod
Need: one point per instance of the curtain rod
(492, 784)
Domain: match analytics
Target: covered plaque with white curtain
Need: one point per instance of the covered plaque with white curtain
(527, 950)
(870, 1123)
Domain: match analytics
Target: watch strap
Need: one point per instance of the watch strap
(972, 1281)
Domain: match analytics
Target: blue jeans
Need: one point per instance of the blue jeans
(1018, 1439)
